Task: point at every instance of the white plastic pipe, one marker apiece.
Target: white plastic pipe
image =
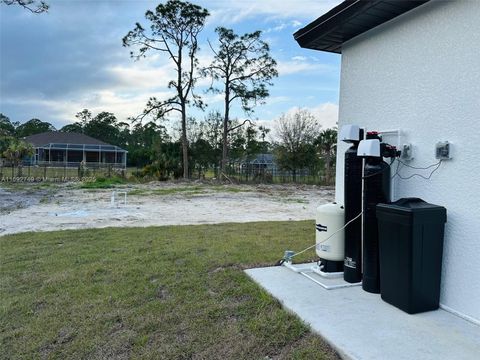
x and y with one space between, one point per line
362 204
297 269
330 287
329 275
112 199
113 196
305 269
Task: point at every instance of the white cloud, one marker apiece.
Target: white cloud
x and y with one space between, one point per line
272 100
300 64
296 23
326 114
276 28
293 24
122 105
211 99
236 11
140 76
299 58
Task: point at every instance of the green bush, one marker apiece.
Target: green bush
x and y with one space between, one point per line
103 183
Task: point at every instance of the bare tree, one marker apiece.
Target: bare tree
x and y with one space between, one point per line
244 68
34 6
297 133
173 31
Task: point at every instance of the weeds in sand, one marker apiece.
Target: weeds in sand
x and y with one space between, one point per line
188 190
103 183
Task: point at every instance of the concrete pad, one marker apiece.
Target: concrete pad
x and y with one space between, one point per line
360 325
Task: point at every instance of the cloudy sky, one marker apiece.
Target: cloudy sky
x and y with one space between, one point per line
54 65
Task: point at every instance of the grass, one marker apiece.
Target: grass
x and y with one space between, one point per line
294 200
174 292
188 190
29 187
103 183
167 191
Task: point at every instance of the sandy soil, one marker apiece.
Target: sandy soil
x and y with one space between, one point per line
67 207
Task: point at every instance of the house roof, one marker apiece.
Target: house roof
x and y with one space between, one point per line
58 137
264 159
348 20
261 159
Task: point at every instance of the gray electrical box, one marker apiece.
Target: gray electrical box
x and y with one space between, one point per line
443 150
407 152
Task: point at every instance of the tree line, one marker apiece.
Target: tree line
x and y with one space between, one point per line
300 143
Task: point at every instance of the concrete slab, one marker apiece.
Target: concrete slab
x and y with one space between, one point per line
360 325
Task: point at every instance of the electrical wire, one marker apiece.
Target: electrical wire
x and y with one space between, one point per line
397 172
399 165
419 168
420 175
320 242
379 172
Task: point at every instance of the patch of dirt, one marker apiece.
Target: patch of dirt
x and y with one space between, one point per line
13 200
285 352
65 335
162 293
119 346
229 266
157 204
39 306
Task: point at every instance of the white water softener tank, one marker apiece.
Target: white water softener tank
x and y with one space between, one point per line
330 218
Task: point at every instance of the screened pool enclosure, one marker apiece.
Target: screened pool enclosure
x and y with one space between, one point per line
74 150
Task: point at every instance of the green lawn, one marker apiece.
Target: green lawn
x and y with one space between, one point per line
174 292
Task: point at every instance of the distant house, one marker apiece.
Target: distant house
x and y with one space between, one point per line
261 162
267 164
61 149
412 67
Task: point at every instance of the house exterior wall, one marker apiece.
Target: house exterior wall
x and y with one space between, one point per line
420 73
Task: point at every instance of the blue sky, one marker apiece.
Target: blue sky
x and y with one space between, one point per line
54 65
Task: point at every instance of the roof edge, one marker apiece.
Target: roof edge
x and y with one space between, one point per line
348 20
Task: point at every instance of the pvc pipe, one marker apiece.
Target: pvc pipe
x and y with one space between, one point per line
303 270
333 275
112 199
114 194
394 131
363 190
330 287
296 269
